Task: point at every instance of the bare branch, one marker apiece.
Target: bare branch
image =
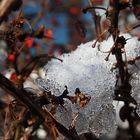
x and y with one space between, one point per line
23 96
6 6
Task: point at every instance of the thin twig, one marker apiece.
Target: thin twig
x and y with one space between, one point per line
23 96
97 20
6 7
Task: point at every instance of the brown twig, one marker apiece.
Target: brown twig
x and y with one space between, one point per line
115 33
23 96
97 20
6 6
28 68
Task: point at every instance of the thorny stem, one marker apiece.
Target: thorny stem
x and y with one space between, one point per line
115 33
123 86
120 63
114 18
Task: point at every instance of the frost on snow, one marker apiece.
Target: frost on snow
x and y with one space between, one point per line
86 68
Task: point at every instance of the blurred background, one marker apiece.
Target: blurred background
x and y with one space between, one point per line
66 26
60 18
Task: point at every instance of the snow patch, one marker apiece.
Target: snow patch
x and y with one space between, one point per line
86 68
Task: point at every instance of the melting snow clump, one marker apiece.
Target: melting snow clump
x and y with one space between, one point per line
86 68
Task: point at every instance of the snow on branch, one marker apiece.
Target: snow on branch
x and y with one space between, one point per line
86 68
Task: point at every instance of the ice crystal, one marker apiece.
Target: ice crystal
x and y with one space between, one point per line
86 68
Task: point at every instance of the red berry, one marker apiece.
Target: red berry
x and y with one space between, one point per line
13 77
51 53
138 36
29 42
74 10
49 33
11 57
